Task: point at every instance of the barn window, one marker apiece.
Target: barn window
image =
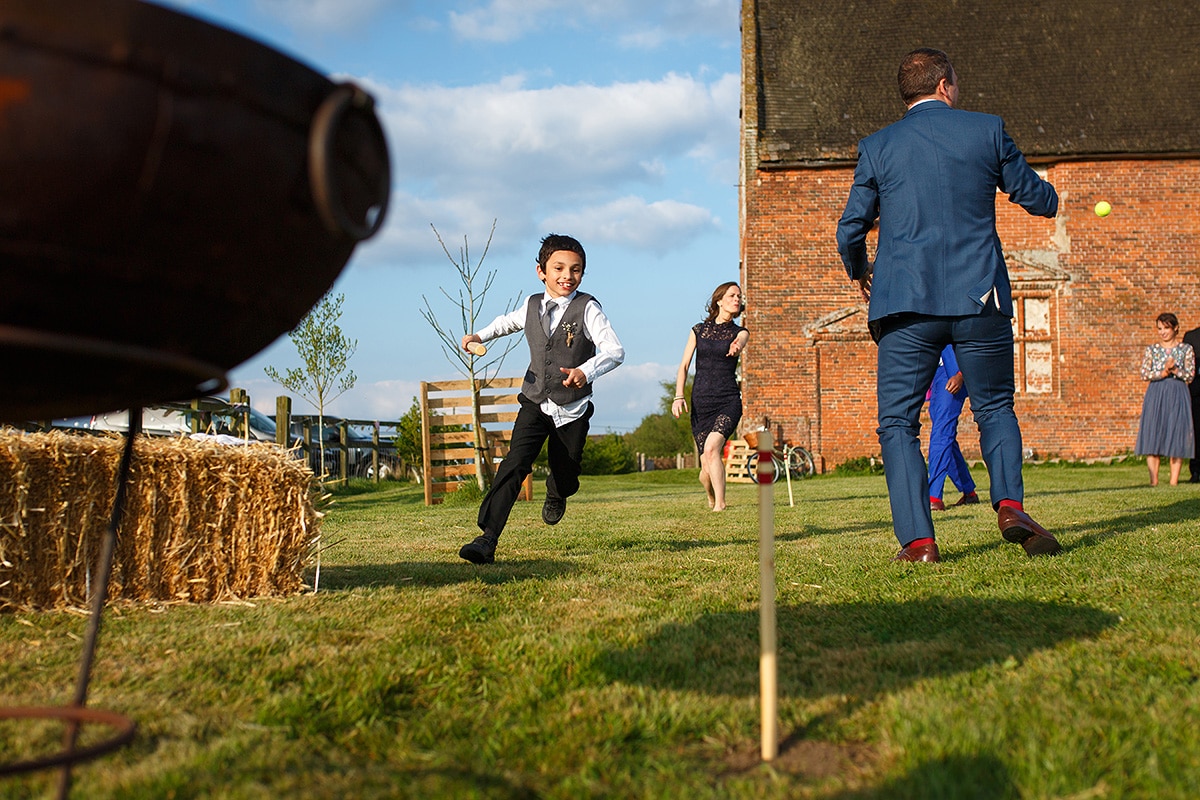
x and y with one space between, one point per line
1033 341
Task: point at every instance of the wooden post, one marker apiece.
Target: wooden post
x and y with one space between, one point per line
306 438
344 454
426 450
239 397
283 420
375 451
768 687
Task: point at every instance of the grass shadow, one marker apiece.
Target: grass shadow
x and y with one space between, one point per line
1135 522
439 573
810 531
861 650
980 777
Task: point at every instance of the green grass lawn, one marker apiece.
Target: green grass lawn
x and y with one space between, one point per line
616 655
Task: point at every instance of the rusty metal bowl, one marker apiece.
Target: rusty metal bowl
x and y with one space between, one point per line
174 197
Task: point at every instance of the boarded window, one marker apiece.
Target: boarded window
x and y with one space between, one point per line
1033 339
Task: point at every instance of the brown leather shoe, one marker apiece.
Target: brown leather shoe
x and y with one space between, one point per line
936 504
971 499
926 552
1019 528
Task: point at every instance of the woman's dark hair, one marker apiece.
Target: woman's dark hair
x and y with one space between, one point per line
1170 319
713 308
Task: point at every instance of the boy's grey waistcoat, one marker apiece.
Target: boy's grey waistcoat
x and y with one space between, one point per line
547 355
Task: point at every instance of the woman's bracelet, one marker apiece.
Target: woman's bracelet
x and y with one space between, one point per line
678 397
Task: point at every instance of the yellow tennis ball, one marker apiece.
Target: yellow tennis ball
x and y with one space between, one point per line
1103 209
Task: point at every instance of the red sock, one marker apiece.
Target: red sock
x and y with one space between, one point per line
1012 504
920 542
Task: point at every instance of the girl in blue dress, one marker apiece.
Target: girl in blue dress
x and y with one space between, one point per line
1166 425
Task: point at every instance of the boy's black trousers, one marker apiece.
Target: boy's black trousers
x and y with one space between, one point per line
531 430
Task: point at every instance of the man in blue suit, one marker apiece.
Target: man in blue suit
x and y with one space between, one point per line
939 278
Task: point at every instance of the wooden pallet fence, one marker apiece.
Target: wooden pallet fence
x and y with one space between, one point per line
735 462
447 440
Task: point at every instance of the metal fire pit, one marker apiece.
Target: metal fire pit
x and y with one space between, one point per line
175 196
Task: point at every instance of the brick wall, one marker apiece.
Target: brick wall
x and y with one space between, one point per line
1094 287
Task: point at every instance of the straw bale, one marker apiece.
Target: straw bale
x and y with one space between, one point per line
203 522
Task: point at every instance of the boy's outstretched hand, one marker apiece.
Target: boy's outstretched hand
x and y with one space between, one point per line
575 378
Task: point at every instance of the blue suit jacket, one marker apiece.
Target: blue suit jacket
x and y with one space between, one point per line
930 179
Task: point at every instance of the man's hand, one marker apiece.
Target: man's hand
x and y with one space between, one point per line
575 378
864 284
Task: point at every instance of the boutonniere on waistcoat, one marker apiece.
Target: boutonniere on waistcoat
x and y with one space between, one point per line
569 329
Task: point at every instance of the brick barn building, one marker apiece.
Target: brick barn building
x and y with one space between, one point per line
1102 99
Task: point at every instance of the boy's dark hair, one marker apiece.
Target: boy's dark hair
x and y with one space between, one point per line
921 71
557 241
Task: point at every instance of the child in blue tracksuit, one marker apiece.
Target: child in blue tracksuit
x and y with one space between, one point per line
946 396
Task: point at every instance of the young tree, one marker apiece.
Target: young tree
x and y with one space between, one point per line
608 455
662 434
325 353
479 370
408 439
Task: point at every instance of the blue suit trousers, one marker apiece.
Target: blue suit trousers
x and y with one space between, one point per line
945 456
909 348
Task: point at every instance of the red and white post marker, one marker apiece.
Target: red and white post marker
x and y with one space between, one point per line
767 682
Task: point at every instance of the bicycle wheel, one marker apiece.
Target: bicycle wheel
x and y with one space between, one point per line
801 464
752 468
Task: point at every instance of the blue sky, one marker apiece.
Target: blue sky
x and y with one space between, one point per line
615 121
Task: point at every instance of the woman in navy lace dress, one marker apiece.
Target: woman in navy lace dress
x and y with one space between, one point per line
716 397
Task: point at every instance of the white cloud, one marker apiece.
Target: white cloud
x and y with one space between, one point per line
463 156
629 393
492 133
657 227
502 20
322 15
386 399
509 20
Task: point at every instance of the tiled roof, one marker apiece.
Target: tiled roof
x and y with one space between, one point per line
1071 78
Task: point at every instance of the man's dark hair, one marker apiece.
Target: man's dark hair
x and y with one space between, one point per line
556 241
921 71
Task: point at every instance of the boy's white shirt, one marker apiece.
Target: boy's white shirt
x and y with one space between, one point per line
596 327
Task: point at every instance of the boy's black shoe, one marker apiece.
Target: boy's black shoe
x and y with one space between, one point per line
482 550
553 510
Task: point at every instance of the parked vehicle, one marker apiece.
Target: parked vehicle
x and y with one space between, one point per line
359 444
205 416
